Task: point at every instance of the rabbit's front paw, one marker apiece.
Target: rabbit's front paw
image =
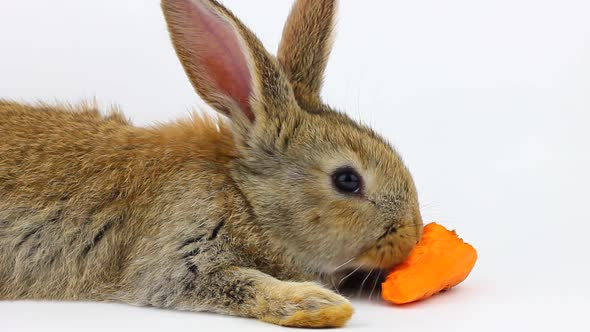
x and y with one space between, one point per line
306 305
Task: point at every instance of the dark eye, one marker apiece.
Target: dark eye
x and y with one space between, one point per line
347 180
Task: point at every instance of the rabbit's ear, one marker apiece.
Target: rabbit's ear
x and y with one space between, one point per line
226 63
305 47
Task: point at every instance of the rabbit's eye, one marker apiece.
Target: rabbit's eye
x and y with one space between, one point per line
347 180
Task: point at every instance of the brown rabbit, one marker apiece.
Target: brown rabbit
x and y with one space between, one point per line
240 218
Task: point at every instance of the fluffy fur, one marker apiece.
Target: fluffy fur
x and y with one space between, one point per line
237 217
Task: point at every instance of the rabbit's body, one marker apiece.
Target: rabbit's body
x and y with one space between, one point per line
94 208
235 217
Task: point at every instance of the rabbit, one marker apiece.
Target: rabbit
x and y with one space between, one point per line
242 214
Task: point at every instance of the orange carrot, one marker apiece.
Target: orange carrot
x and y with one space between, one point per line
440 260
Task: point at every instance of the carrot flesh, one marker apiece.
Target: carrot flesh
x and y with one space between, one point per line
441 260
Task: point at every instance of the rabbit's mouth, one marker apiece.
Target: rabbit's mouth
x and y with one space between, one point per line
391 248
363 275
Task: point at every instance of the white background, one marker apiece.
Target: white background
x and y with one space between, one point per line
487 101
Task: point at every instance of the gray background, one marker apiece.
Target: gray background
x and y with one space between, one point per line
487 101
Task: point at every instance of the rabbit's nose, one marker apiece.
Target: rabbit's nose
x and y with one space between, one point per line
412 220
391 229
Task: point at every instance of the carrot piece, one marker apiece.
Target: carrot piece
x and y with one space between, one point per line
440 260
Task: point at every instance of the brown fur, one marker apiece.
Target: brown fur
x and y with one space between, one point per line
202 214
305 47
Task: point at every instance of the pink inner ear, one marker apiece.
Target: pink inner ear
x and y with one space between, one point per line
215 50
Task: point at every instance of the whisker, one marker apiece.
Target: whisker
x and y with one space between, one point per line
406 226
426 205
341 265
375 284
363 283
348 275
334 285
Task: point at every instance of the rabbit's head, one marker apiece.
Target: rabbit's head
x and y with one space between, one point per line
329 189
